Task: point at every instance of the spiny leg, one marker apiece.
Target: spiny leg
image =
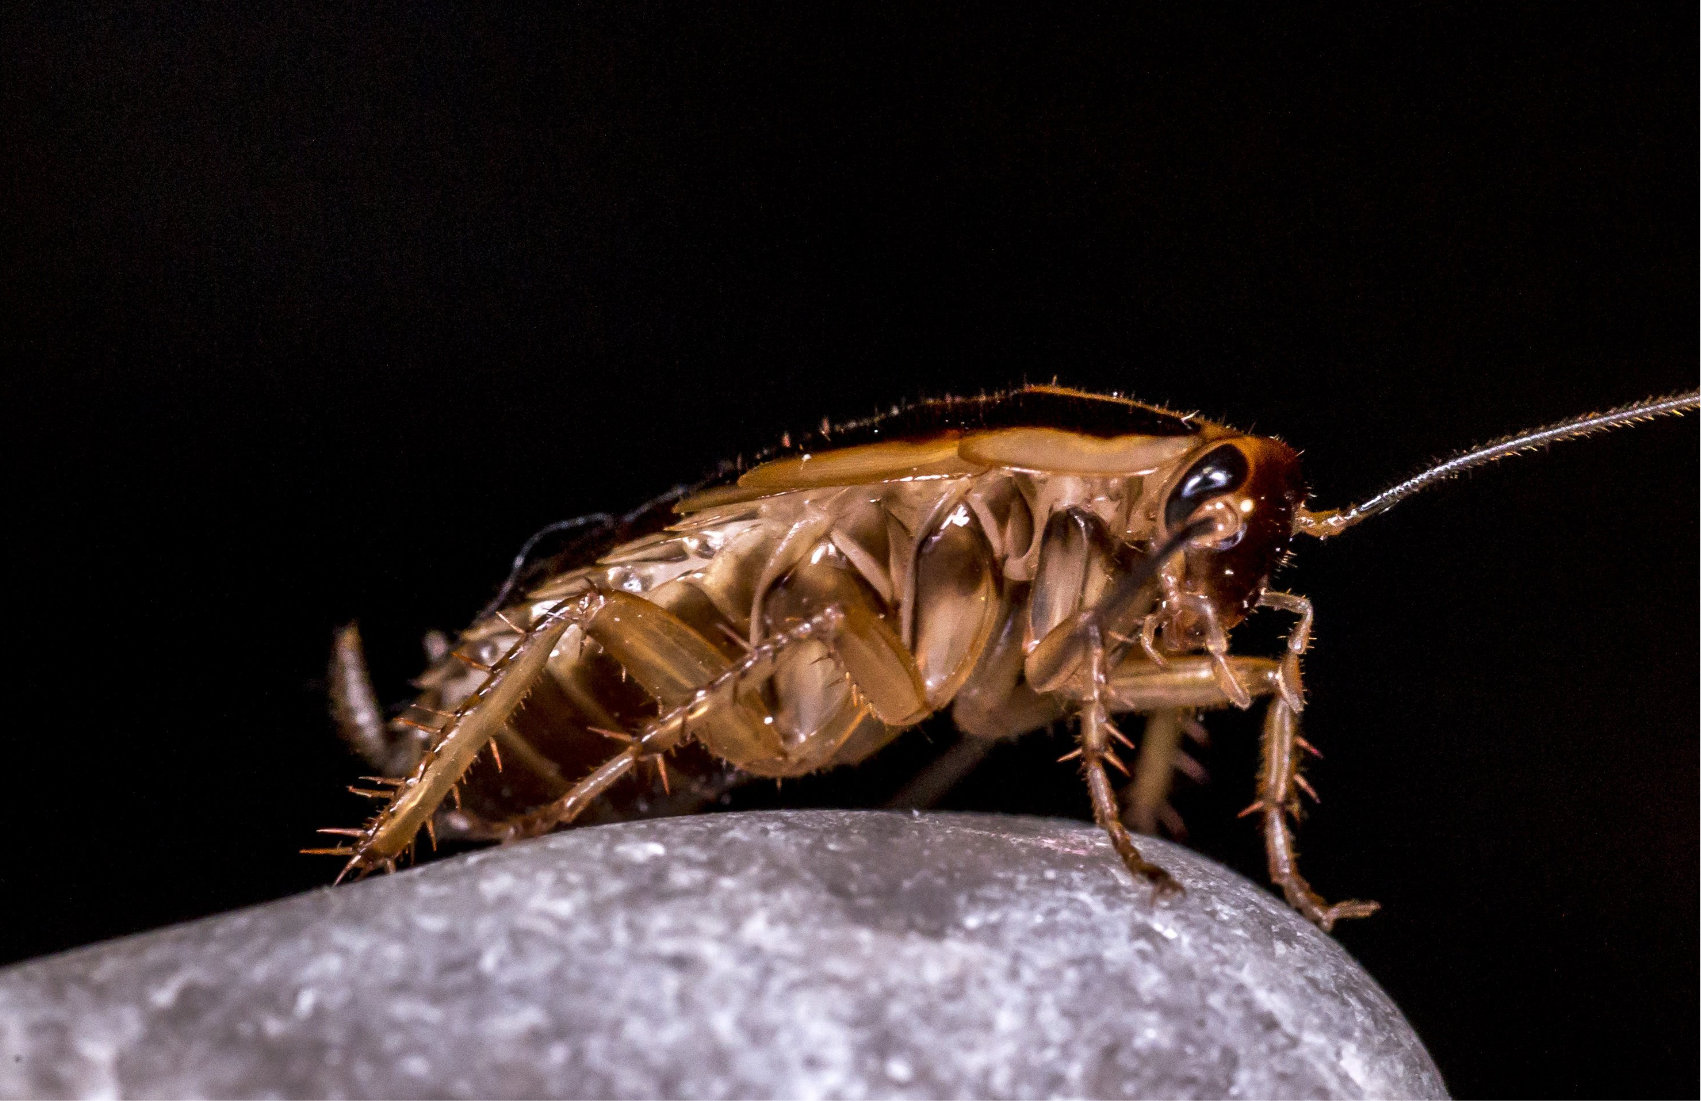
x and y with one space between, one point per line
1189 682
1192 682
942 774
666 732
1299 640
1095 749
1160 757
1216 641
466 734
1280 773
1278 779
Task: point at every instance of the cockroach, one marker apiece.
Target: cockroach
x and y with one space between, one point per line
1020 558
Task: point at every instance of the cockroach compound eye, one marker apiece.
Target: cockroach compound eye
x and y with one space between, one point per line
1017 558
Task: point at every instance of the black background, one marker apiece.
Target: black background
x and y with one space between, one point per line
319 314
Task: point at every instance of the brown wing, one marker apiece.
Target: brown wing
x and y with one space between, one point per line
1037 428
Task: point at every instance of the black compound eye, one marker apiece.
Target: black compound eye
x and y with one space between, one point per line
1219 471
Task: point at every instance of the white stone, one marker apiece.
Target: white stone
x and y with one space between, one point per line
790 954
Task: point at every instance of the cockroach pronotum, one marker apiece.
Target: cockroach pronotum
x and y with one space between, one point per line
1020 557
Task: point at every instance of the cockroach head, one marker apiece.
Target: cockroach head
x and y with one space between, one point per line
1246 490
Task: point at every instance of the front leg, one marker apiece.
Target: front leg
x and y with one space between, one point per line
1299 640
1278 801
1193 682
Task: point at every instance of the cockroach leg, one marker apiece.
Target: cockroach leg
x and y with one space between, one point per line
1192 682
1277 801
1299 640
1095 750
1160 757
570 805
389 747
1149 639
671 728
1187 682
354 705
465 735
942 774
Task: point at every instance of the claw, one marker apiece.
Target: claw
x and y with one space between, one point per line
1149 642
1164 885
1342 911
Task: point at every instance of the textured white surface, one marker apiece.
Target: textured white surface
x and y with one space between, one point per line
802 954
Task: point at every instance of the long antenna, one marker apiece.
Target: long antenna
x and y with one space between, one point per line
1334 521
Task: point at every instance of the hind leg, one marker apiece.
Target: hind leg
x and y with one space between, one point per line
468 731
713 704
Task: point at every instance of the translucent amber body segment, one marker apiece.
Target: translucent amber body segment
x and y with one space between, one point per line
672 661
1055 451
870 650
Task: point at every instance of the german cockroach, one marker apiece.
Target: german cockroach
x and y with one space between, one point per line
1020 558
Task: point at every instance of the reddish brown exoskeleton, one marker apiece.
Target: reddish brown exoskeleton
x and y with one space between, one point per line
1018 558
